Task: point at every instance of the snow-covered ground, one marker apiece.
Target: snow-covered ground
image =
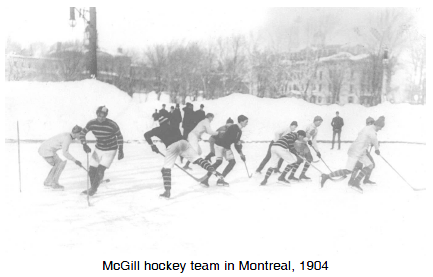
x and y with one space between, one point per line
383 232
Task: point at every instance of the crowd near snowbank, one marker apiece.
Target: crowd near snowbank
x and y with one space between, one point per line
45 109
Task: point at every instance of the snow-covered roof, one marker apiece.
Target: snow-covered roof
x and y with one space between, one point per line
344 56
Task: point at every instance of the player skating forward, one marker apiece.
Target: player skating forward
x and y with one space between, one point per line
195 135
48 151
108 140
358 167
284 149
279 134
301 147
176 145
222 148
358 153
221 131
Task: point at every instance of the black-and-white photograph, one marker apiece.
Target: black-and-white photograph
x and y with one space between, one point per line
228 138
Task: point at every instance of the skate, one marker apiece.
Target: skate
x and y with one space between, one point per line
356 187
221 182
324 178
263 183
258 172
369 182
304 178
165 195
205 183
293 179
91 192
283 181
277 171
57 187
48 185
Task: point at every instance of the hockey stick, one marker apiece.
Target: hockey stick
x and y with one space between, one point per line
19 153
88 179
103 181
190 175
330 178
248 173
415 189
321 158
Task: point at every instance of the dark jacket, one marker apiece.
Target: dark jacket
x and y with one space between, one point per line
176 116
188 119
199 116
337 123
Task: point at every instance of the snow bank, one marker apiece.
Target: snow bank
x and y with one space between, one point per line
45 109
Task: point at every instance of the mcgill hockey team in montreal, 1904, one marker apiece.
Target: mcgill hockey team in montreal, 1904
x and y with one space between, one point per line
289 145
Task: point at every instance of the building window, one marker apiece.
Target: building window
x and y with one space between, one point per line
319 100
350 99
320 87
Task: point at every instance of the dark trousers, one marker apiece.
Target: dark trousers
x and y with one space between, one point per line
186 132
267 158
333 138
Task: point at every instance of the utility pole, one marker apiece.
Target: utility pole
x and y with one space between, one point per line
384 75
91 34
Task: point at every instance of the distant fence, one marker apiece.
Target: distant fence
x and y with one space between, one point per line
253 141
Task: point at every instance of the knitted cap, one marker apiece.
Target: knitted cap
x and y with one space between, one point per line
294 123
369 120
380 121
76 129
230 120
317 118
102 109
301 133
242 118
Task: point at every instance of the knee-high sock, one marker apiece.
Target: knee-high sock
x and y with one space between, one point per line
229 167
362 173
280 163
209 156
58 172
49 180
340 172
355 171
92 175
187 164
204 164
98 176
166 177
217 163
286 170
268 173
295 167
306 167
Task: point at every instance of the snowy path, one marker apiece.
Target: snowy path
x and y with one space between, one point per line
128 221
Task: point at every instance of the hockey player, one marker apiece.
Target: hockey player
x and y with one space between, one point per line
108 140
301 147
221 131
176 145
358 153
222 148
48 151
284 149
279 134
195 135
358 167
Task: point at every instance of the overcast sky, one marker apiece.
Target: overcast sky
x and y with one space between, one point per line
143 25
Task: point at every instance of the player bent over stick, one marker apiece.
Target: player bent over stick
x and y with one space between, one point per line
284 149
48 151
108 139
176 145
195 135
358 153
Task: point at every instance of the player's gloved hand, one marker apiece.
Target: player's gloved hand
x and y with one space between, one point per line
121 154
155 149
243 158
319 155
377 152
86 148
310 143
79 163
272 142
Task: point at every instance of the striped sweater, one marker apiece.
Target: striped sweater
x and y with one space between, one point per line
107 133
287 141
